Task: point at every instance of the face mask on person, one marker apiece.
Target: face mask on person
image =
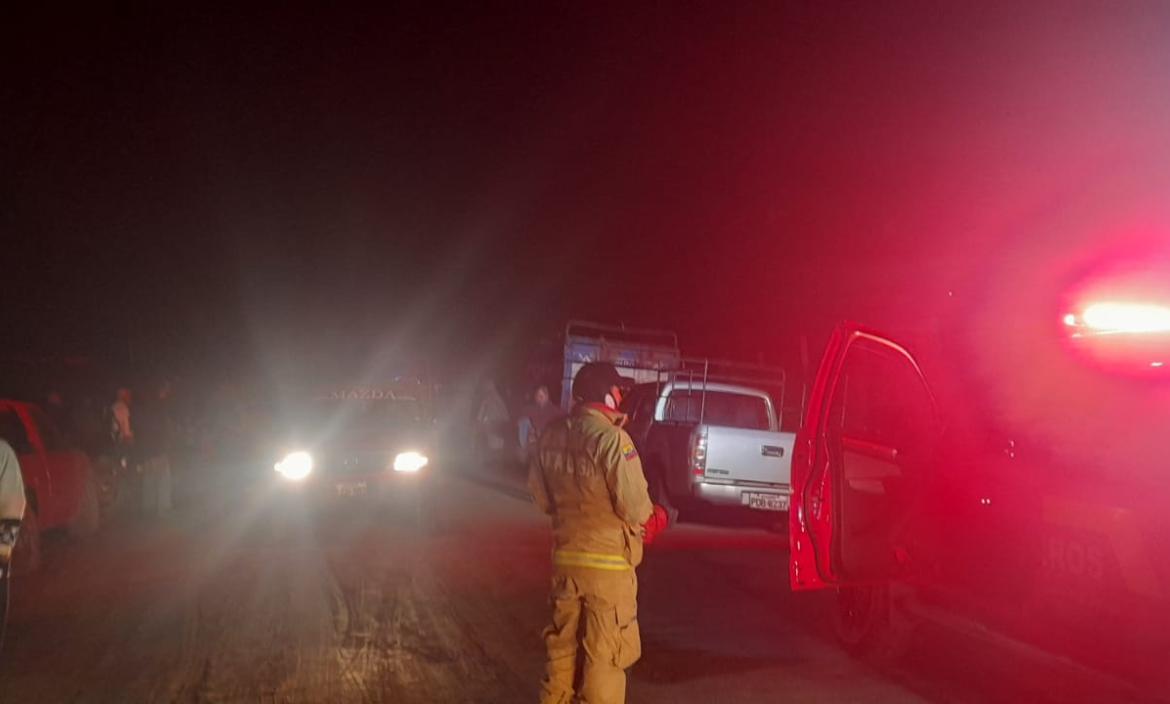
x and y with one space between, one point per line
614 398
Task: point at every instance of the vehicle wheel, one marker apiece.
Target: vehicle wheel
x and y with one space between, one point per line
26 554
865 624
89 513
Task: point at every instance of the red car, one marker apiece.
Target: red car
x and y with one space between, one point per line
59 481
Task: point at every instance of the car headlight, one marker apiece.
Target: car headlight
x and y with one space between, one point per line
410 461
295 466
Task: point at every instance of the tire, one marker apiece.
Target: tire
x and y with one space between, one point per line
89 513
26 555
867 624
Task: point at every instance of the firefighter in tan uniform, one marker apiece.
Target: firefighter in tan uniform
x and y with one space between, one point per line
587 477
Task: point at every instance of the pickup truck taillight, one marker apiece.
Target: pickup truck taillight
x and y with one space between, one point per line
699 453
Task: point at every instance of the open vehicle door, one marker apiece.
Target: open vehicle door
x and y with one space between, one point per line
859 462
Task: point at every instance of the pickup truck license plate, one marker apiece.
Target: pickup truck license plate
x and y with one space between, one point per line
351 489
766 502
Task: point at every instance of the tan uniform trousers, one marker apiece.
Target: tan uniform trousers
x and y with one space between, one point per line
594 611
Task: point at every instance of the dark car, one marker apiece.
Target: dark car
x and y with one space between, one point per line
356 445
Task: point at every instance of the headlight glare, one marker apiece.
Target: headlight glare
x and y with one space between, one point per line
410 461
295 466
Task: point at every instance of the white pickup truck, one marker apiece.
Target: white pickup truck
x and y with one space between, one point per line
711 443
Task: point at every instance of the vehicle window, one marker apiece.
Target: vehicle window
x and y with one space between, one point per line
881 399
50 435
718 408
12 431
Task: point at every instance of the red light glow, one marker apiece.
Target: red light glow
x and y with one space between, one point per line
1118 317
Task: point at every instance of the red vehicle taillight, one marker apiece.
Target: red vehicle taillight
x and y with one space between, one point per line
699 453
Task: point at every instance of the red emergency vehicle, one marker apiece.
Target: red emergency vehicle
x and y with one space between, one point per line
1000 467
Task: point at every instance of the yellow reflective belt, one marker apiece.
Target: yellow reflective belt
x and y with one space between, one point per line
592 560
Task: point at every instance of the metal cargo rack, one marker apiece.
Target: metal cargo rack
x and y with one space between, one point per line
697 373
653 356
641 353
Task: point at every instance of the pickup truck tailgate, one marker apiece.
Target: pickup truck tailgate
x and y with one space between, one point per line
743 455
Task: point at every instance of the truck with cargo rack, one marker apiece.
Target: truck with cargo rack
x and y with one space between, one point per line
710 434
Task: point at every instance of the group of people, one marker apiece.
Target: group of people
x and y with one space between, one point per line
135 433
494 424
143 433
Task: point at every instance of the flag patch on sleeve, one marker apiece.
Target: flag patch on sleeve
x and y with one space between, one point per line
629 452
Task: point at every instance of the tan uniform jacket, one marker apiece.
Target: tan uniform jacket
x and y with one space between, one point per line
587 477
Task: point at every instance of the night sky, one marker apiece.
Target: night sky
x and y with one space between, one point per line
226 184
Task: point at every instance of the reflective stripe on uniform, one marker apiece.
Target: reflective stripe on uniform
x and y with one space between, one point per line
592 560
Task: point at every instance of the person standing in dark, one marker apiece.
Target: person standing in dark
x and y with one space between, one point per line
121 431
587 477
534 419
153 441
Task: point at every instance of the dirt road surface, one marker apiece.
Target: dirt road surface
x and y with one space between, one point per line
230 600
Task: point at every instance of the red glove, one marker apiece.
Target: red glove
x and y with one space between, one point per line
657 523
